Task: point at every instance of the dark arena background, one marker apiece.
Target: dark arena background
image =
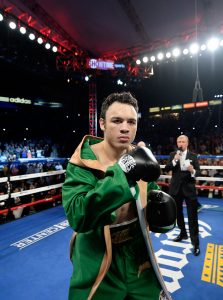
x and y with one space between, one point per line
170 57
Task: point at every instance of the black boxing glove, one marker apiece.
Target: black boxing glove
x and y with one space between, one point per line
160 211
140 163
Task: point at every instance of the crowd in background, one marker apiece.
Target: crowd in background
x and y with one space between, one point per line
158 132
208 144
16 186
29 149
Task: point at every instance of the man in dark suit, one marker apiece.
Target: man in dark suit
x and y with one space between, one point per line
184 166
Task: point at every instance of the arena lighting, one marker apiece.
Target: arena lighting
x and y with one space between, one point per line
188 105
54 48
160 56
203 47
194 48
213 44
164 108
32 36
47 46
39 40
185 51
215 102
201 104
22 29
12 25
176 52
145 59
154 109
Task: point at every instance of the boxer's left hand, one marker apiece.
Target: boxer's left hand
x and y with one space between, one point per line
160 211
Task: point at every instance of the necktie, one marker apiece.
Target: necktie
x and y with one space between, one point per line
182 159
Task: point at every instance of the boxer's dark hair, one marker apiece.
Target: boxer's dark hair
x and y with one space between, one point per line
124 97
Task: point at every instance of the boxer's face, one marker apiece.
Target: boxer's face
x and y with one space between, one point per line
119 125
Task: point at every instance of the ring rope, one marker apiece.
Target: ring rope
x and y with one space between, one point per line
203 167
50 199
5 197
32 191
34 175
197 178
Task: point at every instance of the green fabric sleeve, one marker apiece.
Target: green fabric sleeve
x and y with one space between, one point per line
90 202
152 186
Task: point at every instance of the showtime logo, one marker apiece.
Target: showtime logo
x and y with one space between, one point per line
100 64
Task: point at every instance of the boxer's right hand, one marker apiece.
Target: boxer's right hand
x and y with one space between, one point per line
140 163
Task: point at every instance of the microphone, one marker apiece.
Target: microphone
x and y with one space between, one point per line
179 150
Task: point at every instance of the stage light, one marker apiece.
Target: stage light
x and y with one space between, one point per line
168 55
12 25
160 56
176 52
185 51
213 44
54 48
32 36
1 17
138 61
152 58
203 47
22 29
47 46
194 48
145 59
86 78
40 40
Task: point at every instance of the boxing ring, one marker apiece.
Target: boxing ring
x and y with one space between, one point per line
6 199
203 183
34 254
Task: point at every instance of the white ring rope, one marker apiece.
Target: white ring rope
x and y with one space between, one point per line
32 191
52 173
203 167
34 175
197 178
